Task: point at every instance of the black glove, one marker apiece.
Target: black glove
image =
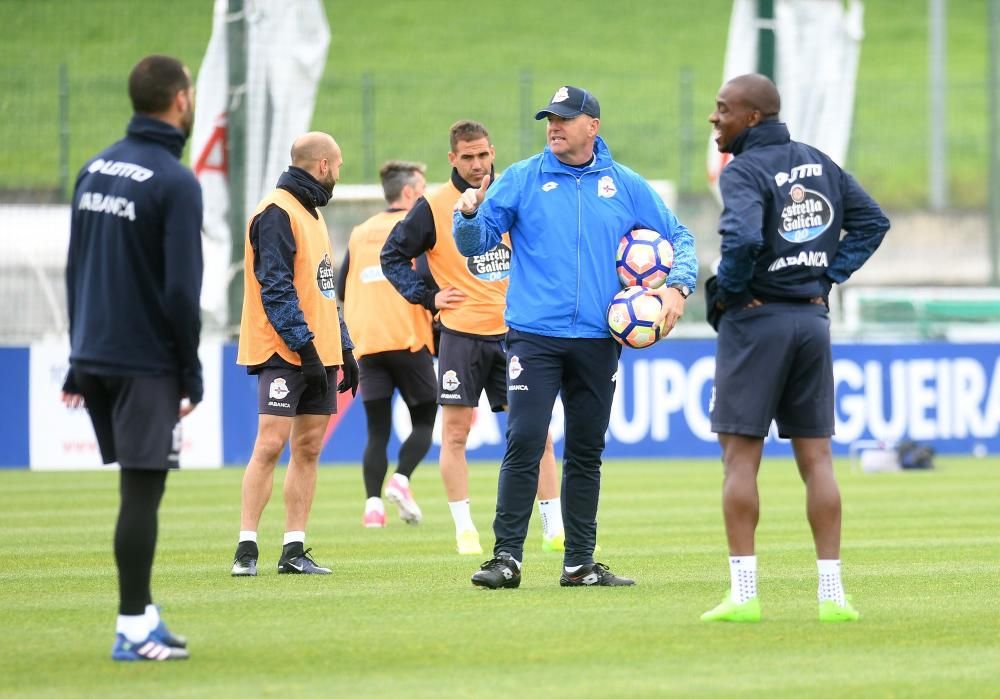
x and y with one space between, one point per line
69 384
313 369
713 313
352 374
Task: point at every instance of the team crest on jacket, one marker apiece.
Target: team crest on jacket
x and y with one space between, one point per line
806 215
492 266
325 278
606 187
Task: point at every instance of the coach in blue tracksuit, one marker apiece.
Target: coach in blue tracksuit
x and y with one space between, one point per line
566 209
785 205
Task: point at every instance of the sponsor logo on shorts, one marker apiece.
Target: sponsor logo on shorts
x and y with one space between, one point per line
711 401
278 389
276 404
452 396
449 380
514 369
517 387
614 377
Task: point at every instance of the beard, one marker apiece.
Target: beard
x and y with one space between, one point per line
329 183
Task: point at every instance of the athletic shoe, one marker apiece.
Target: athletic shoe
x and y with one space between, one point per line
161 634
245 561
296 561
401 495
374 519
498 572
595 574
467 543
728 610
829 610
150 649
556 542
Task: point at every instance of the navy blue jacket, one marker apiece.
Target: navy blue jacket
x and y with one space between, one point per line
134 269
784 206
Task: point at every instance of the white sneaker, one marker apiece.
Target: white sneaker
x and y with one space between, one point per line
401 495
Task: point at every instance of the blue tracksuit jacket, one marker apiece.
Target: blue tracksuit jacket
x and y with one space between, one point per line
565 224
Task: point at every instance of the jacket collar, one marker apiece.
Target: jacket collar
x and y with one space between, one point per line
602 160
149 128
305 188
766 133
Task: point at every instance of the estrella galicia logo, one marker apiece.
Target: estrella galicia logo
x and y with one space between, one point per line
491 266
806 215
325 279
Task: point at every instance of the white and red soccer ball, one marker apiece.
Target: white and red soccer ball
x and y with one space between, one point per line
632 317
644 258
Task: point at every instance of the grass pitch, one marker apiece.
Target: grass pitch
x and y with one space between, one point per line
399 617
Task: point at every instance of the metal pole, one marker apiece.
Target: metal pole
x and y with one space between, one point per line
937 137
63 132
368 126
994 191
526 119
765 38
236 146
685 106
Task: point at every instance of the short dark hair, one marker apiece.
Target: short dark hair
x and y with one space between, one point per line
396 174
154 82
467 130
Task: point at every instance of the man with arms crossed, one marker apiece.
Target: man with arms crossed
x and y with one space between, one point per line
292 338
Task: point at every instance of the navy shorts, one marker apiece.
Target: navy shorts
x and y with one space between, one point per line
135 418
774 362
410 372
283 391
467 366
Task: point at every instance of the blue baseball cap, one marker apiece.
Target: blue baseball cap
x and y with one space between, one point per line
569 102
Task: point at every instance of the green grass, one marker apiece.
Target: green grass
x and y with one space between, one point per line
431 63
399 617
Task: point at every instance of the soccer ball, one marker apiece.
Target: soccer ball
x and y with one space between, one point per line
632 317
644 258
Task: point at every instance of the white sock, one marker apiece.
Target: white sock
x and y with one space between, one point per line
247 536
401 479
572 569
134 628
551 512
462 514
374 505
152 616
742 578
830 585
294 537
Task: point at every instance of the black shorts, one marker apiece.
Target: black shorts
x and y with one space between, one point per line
774 362
135 418
411 372
283 391
469 365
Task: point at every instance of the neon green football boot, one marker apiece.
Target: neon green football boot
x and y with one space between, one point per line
556 542
829 610
728 610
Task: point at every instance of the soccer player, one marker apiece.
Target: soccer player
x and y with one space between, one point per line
133 279
293 339
571 203
784 207
470 303
393 341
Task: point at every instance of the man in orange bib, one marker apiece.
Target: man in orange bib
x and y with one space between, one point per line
393 340
471 301
293 339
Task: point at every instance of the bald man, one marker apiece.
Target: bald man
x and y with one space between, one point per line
293 339
784 207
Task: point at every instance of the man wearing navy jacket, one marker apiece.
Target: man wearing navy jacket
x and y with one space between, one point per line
133 281
784 206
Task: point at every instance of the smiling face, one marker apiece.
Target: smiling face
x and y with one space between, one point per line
473 160
572 140
731 116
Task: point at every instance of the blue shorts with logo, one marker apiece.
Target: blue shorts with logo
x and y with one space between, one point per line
774 362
